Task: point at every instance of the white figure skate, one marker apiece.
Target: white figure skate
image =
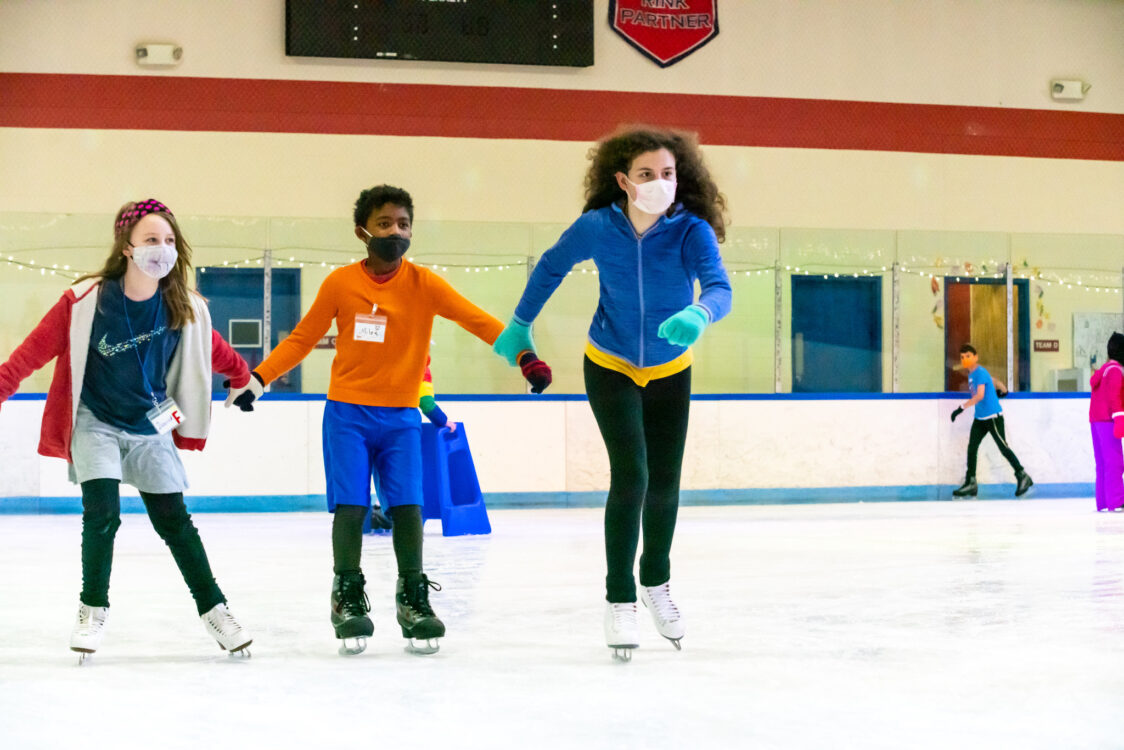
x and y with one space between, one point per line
622 633
666 615
88 631
225 629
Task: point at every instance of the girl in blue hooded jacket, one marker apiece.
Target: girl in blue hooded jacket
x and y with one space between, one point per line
652 221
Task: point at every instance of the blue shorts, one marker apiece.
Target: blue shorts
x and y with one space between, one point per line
361 442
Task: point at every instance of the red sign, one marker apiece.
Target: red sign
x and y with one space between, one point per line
1046 345
665 30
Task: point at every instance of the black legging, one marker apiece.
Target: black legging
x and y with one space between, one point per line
347 537
644 430
995 428
101 517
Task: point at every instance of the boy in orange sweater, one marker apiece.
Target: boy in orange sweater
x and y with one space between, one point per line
383 307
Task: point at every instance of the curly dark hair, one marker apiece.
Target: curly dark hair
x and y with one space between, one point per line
695 189
380 195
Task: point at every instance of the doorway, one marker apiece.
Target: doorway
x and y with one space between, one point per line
836 334
976 313
235 297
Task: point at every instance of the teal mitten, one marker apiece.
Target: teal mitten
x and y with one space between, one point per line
684 327
515 338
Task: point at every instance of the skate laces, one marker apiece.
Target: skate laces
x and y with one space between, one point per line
87 623
222 620
660 599
624 615
353 597
417 595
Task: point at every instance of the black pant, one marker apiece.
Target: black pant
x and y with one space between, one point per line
347 537
644 430
995 428
101 517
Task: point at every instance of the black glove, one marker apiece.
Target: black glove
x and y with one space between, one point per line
536 372
245 396
1000 393
379 519
957 413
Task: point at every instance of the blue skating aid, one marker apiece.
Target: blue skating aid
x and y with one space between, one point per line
450 486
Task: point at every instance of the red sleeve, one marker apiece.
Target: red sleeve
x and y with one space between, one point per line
226 361
48 340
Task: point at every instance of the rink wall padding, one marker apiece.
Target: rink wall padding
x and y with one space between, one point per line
535 452
533 500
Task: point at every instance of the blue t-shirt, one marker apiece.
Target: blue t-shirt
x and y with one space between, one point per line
126 334
989 405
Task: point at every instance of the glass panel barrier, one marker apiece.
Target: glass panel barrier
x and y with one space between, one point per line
811 306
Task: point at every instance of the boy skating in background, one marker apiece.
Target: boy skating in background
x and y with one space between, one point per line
988 421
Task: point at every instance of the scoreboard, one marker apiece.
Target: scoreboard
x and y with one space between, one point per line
518 32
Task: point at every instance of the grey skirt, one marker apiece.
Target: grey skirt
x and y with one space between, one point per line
151 463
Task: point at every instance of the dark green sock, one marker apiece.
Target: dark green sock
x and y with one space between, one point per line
101 517
172 522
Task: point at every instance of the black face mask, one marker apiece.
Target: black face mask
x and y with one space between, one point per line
389 248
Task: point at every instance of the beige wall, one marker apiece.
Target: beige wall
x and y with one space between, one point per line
486 200
992 54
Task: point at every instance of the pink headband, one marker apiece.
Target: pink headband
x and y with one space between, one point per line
137 211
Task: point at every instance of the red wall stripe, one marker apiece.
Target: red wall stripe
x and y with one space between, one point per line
35 100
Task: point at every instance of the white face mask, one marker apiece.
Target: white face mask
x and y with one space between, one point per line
654 196
156 261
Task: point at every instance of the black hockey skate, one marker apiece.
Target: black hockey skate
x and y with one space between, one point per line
419 625
1024 483
349 613
968 489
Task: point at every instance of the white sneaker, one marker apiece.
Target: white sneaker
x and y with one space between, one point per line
225 629
665 614
88 629
622 633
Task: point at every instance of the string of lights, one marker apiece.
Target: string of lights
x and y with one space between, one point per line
1089 280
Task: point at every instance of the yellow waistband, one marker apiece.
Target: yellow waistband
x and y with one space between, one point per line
639 375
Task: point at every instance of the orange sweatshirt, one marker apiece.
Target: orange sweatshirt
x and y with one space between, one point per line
385 373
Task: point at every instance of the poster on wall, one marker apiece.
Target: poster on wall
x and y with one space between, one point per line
665 31
1090 337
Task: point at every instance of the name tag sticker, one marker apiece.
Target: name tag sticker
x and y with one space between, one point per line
370 328
166 416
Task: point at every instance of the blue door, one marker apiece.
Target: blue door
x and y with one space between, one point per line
235 296
836 335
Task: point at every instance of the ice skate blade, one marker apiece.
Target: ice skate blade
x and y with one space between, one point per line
238 651
675 642
352 646
83 655
622 653
422 646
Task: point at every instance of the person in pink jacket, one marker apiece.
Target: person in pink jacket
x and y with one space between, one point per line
1106 417
135 351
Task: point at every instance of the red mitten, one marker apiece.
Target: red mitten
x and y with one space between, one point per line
536 372
1118 424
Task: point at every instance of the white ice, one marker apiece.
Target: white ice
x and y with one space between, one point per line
880 625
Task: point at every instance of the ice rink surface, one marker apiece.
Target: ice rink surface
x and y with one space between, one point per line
873 625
